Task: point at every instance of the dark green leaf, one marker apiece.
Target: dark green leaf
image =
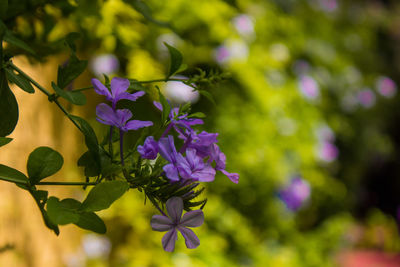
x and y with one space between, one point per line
70 71
90 140
176 59
90 164
77 98
207 95
12 175
43 162
11 39
63 212
144 9
3 8
165 105
5 140
70 40
103 195
90 221
41 198
20 81
8 107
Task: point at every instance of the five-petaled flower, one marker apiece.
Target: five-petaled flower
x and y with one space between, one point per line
118 90
149 150
119 118
175 222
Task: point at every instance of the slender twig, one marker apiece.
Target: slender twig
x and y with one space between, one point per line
42 89
121 146
68 183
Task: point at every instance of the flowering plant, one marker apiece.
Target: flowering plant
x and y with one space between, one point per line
167 174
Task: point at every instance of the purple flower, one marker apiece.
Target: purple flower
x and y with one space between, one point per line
167 150
118 90
119 118
328 152
309 87
296 193
220 161
149 149
175 222
181 120
386 87
193 167
366 98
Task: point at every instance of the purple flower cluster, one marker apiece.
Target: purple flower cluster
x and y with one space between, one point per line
199 157
113 116
295 194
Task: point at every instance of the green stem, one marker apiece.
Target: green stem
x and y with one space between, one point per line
41 88
38 86
67 183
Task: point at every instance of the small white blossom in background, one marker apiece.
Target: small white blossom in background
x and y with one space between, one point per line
104 64
180 93
244 25
308 87
232 50
386 87
96 246
366 98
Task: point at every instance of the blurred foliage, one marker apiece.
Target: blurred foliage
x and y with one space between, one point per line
269 124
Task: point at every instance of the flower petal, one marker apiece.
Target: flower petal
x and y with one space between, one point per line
105 114
158 105
118 86
123 115
234 177
207 174
161 223
174 208
193 218
171 172
135 124
100 88
191 240
167 148
169 239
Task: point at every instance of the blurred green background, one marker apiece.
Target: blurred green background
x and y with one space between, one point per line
312 97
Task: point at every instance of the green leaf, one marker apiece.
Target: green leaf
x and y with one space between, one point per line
5 140
3 8
77 98
43 162
197 115
8 107
165 105
207 95
90 140
176 59
103 195
12 175
40 197
71 38
90 221
70 71
20 81
90 164
11 39
144 9
64 211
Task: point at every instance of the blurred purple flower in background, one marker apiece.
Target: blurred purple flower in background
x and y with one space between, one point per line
327 151
231 50
175 223
295 194
244 25
366 98
180 93
104 64
308 87
386 87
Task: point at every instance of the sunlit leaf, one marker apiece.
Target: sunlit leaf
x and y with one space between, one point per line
64 211
176 59
77 98
12 175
